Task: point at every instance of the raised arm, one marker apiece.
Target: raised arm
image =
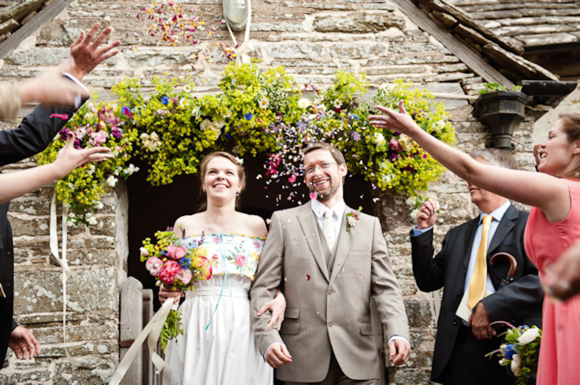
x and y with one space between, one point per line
548 193
18 183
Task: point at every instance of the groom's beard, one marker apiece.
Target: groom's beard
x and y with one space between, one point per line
325 194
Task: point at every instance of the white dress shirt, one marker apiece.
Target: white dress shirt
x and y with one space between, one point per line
320 209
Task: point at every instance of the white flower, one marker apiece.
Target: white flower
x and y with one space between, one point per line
330 114
406 142
503 349
183 102
264 103
131 169
144 136
187 88
98 205
205 124
143 251
387 178
413 214
320 109
529 336
219 124
91 220
304 103
112 181
379 139
337 103
91 169
240 160
515 364
502 361
438 126
195 112
154 136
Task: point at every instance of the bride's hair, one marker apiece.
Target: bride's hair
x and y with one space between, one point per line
203 170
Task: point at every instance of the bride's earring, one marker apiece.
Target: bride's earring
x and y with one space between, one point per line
203 189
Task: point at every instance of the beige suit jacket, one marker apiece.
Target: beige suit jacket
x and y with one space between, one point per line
327 312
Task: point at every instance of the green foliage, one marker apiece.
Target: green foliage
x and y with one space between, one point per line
172 327
494 87
262 111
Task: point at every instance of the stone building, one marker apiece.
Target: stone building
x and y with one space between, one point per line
445 48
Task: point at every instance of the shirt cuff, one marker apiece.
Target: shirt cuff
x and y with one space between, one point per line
397 337
75 80
415 232
272 344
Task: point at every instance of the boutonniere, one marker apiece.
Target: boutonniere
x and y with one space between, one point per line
352 218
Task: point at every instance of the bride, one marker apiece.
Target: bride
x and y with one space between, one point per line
218 347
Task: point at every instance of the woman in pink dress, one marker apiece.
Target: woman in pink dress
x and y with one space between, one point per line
553 225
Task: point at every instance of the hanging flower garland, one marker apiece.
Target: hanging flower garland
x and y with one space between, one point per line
257 111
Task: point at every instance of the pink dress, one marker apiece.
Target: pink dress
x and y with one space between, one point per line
544 243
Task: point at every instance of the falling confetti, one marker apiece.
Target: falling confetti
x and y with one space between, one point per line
308 277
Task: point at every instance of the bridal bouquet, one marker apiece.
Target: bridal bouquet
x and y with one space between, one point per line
176 267
520 352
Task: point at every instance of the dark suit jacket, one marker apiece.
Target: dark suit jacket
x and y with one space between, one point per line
518 302
32 136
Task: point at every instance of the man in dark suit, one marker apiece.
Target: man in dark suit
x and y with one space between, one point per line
32 136
461 344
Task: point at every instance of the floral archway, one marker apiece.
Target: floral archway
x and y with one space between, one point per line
257 111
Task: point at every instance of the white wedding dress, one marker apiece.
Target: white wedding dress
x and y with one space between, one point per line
218 347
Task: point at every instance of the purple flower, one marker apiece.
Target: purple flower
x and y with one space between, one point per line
392 157
356 136
78 144
126 111
248 116
118 133
165 100
64 133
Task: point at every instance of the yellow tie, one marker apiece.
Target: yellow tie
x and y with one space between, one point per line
479 276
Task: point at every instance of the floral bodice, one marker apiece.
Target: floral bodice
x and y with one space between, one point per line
233 254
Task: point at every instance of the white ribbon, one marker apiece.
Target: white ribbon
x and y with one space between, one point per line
247 44
152 330
62 262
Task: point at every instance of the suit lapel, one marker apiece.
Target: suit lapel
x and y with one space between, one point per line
345 240
308 224
504 227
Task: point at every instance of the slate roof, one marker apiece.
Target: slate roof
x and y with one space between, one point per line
530 23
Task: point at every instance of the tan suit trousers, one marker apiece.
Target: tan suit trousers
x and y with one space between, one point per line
335 376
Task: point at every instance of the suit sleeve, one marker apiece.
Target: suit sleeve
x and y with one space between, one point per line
385 289
518 300
33 135
268 277
429 272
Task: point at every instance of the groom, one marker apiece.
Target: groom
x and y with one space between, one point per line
332 261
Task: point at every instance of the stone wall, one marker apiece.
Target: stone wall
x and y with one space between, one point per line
311 39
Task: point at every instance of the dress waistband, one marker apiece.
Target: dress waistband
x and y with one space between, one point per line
236 292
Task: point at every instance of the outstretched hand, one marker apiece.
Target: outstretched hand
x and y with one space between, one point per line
71 158
397 121
85 54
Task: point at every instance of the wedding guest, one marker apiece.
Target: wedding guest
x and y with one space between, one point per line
464 270
333 261
218 346
33 135
553 224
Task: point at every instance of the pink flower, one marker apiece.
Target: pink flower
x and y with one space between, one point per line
169 272
98 138
241 260
313 195
154 265
292 178
207 271
176 252
395 145
185 276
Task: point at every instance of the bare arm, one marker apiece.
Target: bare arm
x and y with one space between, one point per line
16 184
546 192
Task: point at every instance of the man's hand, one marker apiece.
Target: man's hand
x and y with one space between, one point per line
277 355
479 322
85 55
399 351
427 215
23 343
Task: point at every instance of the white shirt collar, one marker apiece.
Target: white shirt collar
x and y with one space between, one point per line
320 208
497 214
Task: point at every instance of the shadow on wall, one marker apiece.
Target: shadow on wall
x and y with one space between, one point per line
156 208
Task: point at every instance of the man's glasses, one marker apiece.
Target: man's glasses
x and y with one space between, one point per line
323 166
